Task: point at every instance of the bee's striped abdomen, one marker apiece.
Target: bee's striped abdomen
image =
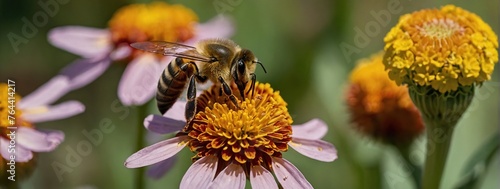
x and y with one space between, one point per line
172 83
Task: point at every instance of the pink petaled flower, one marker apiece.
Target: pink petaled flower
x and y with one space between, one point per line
33 108
232 144
157 21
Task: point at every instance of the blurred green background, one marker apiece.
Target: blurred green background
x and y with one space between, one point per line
299 43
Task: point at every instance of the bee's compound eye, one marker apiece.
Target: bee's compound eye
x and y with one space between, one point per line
241 66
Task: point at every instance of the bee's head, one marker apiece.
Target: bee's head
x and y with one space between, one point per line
243 69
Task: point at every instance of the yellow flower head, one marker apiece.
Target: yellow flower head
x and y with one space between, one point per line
442 48
157 21
260 128
379 107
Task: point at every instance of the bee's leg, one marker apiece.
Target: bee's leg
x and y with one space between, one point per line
220 92
200 78
191 99
228 92
241 88
195 67
252 86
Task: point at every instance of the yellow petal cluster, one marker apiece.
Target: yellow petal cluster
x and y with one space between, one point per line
260 127
10 115
443 48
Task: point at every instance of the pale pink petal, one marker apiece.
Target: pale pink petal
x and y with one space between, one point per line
120 52
200 174
217 27
163 125
84 41
21 154
156 152
315 149
159 169
177 110
314 129
152 137
39 141
262 178
83 71
49 113
4 148
233 176
47 93
288 175
139 81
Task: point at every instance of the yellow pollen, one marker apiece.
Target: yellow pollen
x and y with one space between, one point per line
248 122
10 115
155 21
444 48
261 126
8 105
440 28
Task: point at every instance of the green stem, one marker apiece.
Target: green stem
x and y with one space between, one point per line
440 112
140 143
439 136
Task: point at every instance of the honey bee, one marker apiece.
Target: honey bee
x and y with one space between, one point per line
219 60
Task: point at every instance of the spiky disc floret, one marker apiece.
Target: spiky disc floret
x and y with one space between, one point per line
249 134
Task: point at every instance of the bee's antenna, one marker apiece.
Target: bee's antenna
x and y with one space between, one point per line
261 65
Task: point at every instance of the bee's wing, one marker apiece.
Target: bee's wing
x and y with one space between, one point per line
171 49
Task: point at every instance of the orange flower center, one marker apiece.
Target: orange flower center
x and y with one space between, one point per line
10 115
379 107
156 21
248 135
